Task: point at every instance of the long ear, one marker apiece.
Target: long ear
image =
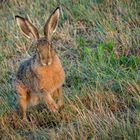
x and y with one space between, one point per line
51 24
27 28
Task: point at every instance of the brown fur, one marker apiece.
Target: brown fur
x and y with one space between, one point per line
42 75
51 77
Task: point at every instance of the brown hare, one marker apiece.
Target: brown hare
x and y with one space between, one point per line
42 75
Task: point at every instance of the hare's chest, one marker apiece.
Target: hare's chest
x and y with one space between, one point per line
51 78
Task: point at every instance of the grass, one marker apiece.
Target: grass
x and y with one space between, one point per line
98 42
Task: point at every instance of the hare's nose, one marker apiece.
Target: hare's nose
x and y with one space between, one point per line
49 63
44 64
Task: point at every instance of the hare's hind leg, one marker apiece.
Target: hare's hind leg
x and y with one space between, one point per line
24 99
34 100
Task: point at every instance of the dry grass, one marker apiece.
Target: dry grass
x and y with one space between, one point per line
98 42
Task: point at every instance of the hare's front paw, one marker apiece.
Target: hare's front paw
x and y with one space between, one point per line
53 107
51 103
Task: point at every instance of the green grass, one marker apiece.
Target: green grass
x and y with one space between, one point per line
98 42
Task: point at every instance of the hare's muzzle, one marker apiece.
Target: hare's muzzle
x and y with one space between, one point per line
49 63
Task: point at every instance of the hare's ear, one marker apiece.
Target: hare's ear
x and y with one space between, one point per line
27 28
51 24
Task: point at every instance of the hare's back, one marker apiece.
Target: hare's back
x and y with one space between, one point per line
26 76
24 69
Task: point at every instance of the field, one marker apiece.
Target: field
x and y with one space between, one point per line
98 42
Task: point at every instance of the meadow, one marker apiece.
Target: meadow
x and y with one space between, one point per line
98 42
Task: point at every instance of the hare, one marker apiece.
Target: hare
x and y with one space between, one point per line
42 75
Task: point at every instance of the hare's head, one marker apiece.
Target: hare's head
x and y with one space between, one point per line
43 45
